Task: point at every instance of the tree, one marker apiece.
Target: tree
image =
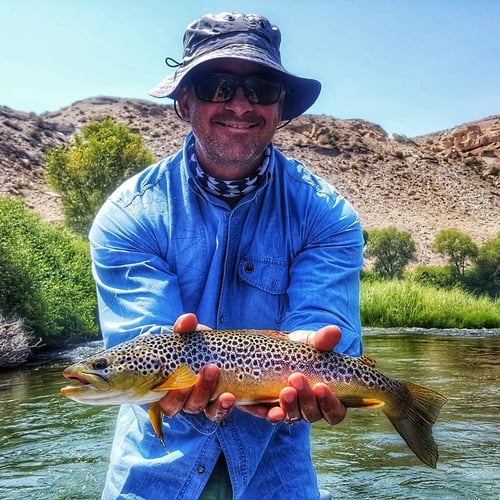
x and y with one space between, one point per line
392 250
484 276
101 157
457 247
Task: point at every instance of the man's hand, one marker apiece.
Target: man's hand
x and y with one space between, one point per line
298 400
197 398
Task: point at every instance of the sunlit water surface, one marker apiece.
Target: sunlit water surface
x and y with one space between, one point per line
54 448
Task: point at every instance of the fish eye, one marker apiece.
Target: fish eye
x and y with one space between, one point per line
100 364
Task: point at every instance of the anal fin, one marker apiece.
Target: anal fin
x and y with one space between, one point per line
156 417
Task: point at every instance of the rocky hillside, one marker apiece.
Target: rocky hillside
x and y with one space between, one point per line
422 185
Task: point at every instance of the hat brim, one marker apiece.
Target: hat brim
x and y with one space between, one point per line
300 93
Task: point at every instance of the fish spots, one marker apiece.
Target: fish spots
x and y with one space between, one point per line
246 356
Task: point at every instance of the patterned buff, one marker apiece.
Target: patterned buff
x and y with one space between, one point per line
230 190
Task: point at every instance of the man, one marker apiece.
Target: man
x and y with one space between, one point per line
231 230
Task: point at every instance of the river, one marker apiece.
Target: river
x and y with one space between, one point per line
54 448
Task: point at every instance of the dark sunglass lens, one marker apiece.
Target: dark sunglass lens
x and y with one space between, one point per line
262 91
214 87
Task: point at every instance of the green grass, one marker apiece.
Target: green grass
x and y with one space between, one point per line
406 303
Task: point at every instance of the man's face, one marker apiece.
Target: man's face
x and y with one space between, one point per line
231 137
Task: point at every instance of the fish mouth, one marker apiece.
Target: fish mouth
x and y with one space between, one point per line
85 382
77 379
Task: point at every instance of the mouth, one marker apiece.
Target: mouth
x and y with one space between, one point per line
227 120
237 126
81 381
78 380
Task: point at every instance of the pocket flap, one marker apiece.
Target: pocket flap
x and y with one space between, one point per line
269 275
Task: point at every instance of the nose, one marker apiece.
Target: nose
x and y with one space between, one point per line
239 102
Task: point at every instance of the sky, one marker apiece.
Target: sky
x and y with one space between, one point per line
411 66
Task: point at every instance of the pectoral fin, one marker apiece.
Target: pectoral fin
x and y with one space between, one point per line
182 378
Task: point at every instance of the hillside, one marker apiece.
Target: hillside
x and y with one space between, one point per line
422 185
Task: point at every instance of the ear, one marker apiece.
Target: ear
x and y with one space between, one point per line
182 97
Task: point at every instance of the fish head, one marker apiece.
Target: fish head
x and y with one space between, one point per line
124 374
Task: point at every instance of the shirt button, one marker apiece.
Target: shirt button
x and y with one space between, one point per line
201 469
223 423
221 319
249 267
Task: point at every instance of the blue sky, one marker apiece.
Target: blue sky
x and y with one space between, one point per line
411 66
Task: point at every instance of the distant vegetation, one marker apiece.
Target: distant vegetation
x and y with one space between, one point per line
408 303
462 294
45 277
85 174
46 286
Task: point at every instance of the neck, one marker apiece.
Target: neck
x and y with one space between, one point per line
228 169
231 190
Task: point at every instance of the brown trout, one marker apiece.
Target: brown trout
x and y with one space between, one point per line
255 366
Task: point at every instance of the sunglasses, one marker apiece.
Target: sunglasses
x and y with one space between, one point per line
221 87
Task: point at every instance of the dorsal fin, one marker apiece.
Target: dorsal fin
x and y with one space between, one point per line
366 360
274 333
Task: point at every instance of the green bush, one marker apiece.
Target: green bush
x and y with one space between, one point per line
45 276
484 275
440 277
101 158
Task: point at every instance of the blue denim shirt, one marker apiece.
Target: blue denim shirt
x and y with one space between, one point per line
286 257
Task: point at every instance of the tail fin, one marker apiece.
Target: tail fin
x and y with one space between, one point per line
414 423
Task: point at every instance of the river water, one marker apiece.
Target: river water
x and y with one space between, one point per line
54 448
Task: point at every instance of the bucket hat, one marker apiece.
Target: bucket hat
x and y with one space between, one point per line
239 36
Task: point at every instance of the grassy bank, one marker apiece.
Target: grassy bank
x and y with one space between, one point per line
406 303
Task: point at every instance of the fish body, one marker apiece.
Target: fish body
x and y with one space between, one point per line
255 366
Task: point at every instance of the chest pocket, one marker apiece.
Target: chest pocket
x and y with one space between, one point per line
268 275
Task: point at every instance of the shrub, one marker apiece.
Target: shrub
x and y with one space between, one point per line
45 276
101 158
440 277
484 277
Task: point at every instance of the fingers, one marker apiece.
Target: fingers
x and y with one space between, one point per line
332 409
196 398
186 323
203 390
324 339
304 404
221 407
299 401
